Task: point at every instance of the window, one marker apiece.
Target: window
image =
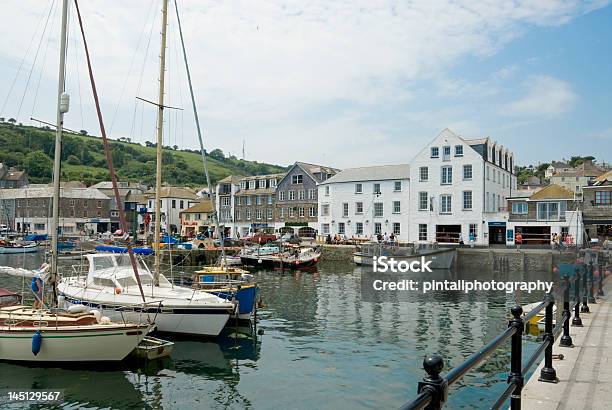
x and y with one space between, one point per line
345 209
422 232
378 209
359 228
238 200
182 204
396 228
435 153
423 201
84 203
72 213
259 214
312 194
445 204
446 152
39 227
312 211
358 207
396 207
99 204
114 213
358 188
173 203
473 231
252 184
341 228
376 188
487 173
247 200
603 198
467 172
377 228
243 184
270 199
99 213
258 200
397 186
272 183
548 211
291 195
325 229
225 201
487 202
447 175
423 174
458 150
281 213
85 214
71 203
297 179
467 200
269 213
301 212
327 190
248 214
282 195
325 210
301 194
291 212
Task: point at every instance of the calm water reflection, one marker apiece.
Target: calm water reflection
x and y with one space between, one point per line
323 347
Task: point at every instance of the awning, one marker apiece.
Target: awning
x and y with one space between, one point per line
597 221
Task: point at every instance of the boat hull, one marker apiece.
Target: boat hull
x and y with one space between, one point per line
17 250
440 259
110 344
246 298
276 262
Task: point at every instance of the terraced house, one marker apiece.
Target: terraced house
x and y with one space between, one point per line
254 204
297 198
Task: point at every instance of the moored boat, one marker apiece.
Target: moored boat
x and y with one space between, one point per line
230 283
441 258
15 248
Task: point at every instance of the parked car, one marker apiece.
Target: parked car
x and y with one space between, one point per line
291 238
260 237
4 228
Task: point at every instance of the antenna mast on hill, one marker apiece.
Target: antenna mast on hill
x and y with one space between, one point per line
243 150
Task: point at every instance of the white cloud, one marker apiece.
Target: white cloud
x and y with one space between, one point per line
277 70
544 96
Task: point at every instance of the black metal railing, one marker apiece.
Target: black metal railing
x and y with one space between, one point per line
433 390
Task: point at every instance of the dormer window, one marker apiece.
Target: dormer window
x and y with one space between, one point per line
272 183
252 184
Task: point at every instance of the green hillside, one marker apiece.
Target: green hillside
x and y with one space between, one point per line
83 159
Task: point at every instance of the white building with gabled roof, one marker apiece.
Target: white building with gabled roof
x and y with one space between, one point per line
458 189
366 201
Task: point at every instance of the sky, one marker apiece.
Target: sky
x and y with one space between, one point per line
342 83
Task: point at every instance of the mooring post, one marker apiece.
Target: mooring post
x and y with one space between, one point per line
566 339
591 277
516 375
548 373
577 321
436 385
585 307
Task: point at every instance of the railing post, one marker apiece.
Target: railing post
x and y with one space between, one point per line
577 321
516 375
548 373
566 339
600 291
590 276
436 385
585 307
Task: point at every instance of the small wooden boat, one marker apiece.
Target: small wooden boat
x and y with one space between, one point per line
151 348
16 248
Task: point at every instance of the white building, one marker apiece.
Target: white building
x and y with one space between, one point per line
173 201
362 202
459 188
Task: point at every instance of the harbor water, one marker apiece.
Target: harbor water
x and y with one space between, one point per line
323 346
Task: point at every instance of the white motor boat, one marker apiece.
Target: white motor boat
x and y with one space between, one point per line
13 247
111 286
41 335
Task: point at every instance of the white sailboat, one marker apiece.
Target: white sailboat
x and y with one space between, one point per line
110 283
45 335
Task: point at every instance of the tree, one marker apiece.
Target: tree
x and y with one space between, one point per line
12 120
150 144
217 154
73 160
542 167
83 132
1 119
175 147
39 165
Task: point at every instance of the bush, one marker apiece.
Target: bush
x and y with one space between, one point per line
73 160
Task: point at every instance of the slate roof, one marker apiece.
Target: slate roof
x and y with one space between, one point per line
376 173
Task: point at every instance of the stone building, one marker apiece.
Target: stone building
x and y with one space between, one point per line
297 198
254 204
11 177
597 207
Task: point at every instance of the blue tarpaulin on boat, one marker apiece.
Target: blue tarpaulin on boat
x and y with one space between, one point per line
37 237
169 239
123 249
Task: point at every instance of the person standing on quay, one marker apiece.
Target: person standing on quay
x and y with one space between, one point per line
518 240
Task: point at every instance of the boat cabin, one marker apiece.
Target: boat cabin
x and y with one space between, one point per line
115 270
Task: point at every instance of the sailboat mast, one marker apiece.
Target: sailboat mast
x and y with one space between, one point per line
62 108
202 149
160 140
